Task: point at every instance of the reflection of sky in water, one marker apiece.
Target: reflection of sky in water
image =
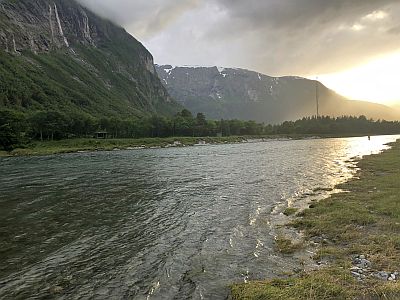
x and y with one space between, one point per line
361 146
352 149
333 161
166 223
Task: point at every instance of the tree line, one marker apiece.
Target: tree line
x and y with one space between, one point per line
17 128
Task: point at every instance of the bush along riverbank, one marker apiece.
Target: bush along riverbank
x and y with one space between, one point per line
356 234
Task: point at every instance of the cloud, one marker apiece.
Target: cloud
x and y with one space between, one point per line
394 30
143 18
276 37
310 36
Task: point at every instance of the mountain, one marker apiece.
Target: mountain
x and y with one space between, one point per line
227 93
58 55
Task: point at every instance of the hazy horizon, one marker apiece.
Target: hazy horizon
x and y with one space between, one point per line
351 46
392 105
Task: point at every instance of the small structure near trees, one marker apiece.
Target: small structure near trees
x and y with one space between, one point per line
101 134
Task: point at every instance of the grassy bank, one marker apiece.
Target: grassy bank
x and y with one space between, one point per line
91 144
362 222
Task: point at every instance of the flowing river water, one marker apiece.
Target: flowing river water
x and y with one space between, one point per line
177 223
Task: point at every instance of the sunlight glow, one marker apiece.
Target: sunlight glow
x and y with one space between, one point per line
376 15
357 27
377 81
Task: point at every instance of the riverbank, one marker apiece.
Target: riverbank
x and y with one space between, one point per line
38 148
356 236
90 144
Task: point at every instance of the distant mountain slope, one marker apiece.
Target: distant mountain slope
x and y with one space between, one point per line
57 55
237 93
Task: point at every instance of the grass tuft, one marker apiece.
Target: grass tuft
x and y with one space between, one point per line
290 211
286 246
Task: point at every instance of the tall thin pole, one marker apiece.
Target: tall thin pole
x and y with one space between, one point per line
317 96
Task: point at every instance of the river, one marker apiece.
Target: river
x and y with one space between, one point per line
177 223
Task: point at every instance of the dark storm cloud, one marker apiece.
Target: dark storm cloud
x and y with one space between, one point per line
272 36
311 36
297 14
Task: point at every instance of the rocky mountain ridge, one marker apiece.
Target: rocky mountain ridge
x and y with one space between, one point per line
78 53
230 93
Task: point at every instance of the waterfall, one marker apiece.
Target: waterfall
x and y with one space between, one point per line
51 23
59 25
14 44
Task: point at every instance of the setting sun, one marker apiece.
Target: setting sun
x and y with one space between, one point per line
375 81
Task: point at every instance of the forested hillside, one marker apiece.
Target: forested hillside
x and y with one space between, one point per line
58 56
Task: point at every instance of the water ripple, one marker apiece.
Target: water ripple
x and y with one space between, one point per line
160 223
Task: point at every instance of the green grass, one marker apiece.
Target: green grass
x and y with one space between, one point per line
290 211
365 219
90 144
286 246
327 284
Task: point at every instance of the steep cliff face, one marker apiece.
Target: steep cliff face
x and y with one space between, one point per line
237 93
56 54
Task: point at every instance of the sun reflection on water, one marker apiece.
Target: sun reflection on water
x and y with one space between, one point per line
329 167
358 147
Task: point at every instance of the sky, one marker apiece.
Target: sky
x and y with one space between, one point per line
352 46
